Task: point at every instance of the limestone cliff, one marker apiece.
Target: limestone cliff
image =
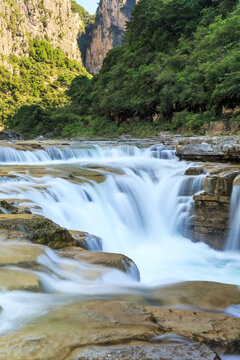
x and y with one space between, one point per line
108 30
53 20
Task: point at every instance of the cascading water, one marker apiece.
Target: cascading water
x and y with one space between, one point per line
233 241
141 212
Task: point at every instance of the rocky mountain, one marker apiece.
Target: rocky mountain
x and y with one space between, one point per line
51 20
107 31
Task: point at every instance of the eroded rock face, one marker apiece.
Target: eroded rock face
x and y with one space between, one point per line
51 19
209 219
108 31
63 333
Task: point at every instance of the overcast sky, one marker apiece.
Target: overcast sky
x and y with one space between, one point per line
89 5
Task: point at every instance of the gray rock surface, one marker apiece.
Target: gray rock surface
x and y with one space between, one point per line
148 352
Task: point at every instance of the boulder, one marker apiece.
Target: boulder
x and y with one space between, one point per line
110 260
37 229
10 135
149 352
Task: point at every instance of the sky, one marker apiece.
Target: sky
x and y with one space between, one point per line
89 5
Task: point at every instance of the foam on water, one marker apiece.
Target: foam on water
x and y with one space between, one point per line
233 241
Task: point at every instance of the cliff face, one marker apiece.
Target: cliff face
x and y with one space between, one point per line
53 20
108 31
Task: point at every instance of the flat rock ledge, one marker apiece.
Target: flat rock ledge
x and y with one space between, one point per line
73 331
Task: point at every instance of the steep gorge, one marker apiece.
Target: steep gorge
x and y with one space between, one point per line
107 31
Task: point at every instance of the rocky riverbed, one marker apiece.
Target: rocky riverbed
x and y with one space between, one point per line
119 251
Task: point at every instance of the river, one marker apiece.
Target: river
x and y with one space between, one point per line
134 196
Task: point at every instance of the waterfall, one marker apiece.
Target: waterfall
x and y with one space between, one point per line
141 212
10 156
233 240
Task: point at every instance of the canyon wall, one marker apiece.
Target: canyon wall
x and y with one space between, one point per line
107 31
52 20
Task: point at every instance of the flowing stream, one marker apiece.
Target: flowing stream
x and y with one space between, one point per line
140 208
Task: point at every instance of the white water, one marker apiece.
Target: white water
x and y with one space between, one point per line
141 213
233 241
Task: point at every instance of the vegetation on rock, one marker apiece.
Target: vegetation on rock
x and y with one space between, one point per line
178 67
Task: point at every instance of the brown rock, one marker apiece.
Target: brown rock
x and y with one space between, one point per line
64 332
19 254
115 261
219 331
204 295
37 229
19 280
218 128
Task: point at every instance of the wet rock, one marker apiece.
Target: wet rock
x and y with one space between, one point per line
150 352
209 218
10 135
87 241
209 221
218 331
236 181
203 295
63 333
6 207
195 171
110 260
19 254
220 184
19 280
37 229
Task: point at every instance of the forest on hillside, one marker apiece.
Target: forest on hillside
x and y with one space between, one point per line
178 68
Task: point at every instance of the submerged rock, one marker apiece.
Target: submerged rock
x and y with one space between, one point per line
149 352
